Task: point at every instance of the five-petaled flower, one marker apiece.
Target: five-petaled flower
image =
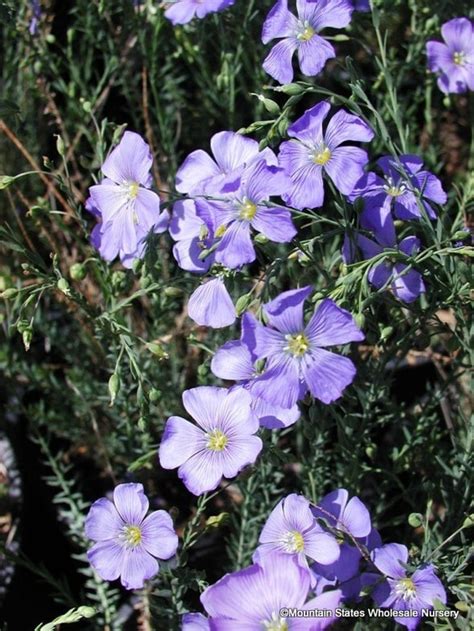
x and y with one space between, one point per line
123 202
453 60
301 34
127 541
220 445
310 153
401 592
297 360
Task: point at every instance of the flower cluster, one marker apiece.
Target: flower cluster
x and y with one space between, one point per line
318 557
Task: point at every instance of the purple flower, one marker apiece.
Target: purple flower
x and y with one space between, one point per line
361 5
192 236
234 361
201 174
296 358
292 529
128 210
351 518
221 444
247 205
183 11
195 622
36 17
404 187
310 153
407 284
405 593
210 305
251 599
127 541
454 60
301 34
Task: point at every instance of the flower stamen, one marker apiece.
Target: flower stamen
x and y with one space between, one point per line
217 440
297 345
247 210
322 156
293 541
132 535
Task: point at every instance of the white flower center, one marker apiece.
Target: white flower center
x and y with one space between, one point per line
275 623
247 210
392 189
405 588
132 536
305 31
459 58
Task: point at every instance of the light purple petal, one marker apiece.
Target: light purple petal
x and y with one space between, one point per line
158 535
328 601
187 253
278 62
195 622
279 22
232 150
236 248
131 502
331 325
431 187
313 55
202 472
274 417
327 374
233 361
201 403
428 586
103 521
233 414
285 312
387 559
280 384
321 546
130 161
326 13
181 439
307 190
195 171
241 451
275 223
106 557
344 126
311 120
356 518
407 285
185 223
138 566
458 34
210 305
147 211
345 167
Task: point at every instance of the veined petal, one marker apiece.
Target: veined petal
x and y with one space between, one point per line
106 557
272 416
459 34
285 312
344 126
312 120
233 361
345 167
389 558
275 223
131 502
103 521
279 22
327 374
232 150
331 325
280 383
407 285
313 55
185 223
181 440
240 452
201 404
325 13
130 161
356 518
233 414
137 567
187 253
158 535
147 210
278 62
193 174
210 305
202 472
236 248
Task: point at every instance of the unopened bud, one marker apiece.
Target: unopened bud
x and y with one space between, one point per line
114 387
77 271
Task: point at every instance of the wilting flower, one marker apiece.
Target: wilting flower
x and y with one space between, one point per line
192 237
195 622
310 153
253 598
407 284
244 207
404 187
454 60
296 358
301 34
183 11
220 445
402 592
211 305
127 541
352 519
291 528
235 361
201 174
128 209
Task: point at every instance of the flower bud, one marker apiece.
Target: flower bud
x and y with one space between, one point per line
77 271
63 286
114 387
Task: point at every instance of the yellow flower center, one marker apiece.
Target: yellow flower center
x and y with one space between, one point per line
221 231
297 344
459 58
275 624
306 32
406 588
248 210
394 191
132 535
322 157
293 541
217 440
133 189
